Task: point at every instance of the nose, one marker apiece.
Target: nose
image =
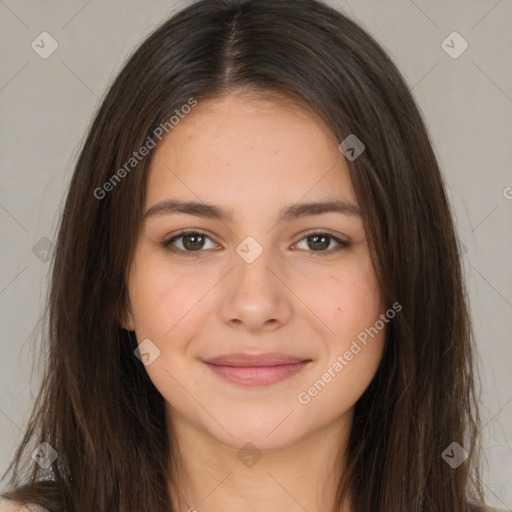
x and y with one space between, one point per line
256 295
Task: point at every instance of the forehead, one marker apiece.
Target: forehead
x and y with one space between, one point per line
238 143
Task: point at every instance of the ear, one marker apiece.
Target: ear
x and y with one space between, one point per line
128 324
127 320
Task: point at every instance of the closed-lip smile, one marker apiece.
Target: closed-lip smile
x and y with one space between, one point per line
256 369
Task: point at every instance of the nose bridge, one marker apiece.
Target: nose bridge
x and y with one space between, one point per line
256 296
253 262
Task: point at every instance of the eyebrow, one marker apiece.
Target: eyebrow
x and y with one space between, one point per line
288 213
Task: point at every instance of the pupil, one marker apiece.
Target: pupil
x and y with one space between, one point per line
316 238
194 244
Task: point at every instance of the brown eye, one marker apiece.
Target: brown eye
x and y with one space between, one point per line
320 243
189 242
193 242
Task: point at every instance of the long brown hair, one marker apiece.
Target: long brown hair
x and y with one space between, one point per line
97 406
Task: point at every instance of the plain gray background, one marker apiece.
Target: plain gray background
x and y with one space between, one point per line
47 104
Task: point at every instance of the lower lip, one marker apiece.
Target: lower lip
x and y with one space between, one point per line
257 375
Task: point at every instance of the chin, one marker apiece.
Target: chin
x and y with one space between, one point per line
272 432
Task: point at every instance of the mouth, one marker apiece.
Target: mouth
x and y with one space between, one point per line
256 370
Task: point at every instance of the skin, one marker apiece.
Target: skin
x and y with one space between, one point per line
254 156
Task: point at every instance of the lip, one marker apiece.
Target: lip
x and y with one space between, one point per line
256 369
245 359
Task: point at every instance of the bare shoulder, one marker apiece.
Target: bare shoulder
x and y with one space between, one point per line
11 506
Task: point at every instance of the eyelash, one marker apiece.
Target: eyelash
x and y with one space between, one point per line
168 243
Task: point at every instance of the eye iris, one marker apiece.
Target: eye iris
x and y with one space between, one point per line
316 238
195 245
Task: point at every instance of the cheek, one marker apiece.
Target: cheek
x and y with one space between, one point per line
352 301
359 336
164 300
354 351
357 307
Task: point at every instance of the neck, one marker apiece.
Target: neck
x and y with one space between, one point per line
212 476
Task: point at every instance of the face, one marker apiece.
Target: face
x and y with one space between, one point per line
255 304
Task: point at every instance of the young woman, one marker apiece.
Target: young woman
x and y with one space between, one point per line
256 299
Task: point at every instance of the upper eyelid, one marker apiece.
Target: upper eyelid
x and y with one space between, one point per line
186 232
